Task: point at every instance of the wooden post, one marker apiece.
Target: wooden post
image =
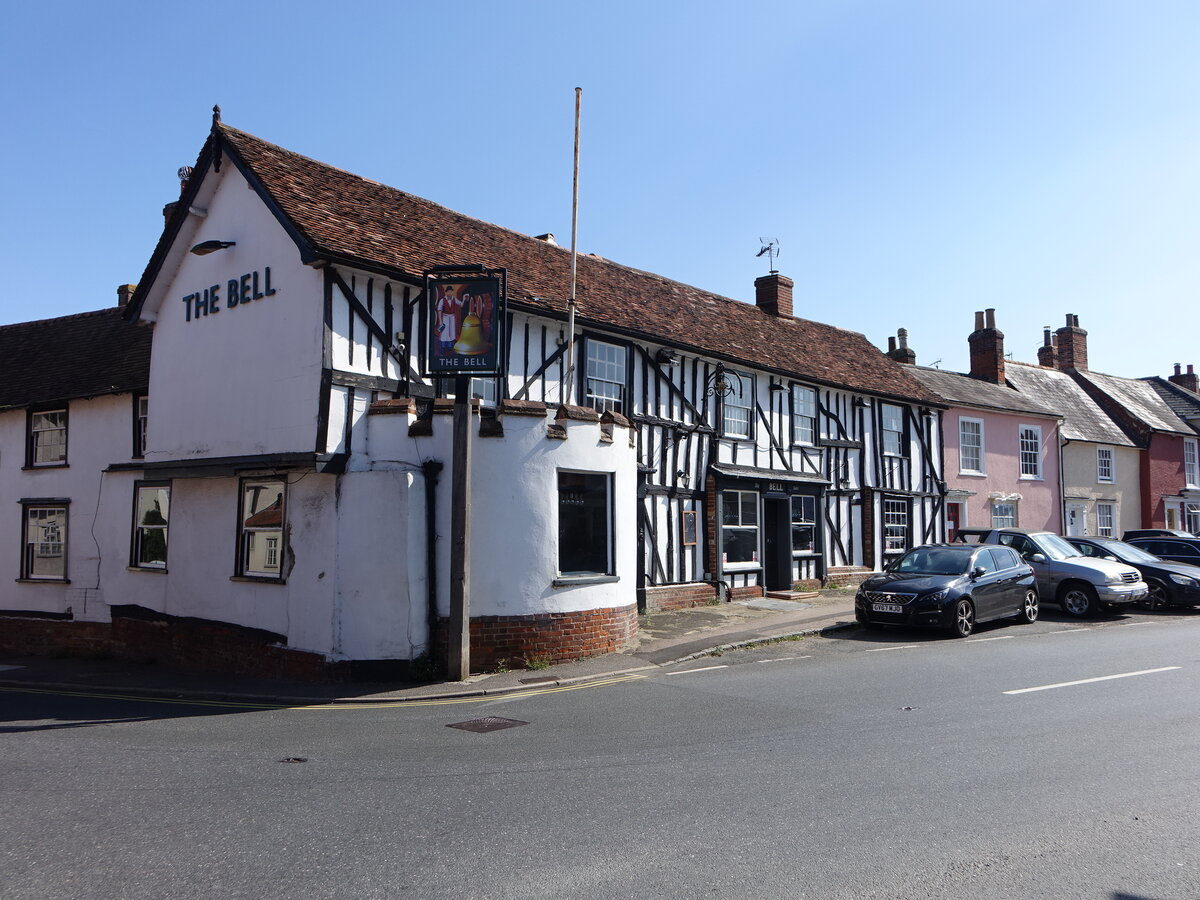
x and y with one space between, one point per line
458 659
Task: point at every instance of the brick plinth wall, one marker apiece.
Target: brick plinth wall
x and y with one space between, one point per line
514 641
681 596
144 636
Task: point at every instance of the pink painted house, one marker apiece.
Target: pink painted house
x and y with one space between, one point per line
1000 447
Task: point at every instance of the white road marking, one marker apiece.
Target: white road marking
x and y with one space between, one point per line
1003 637
782 658
885 649
1069 631
705 669
1047 687
1136 624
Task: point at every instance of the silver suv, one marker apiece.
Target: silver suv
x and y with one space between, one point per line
1081 585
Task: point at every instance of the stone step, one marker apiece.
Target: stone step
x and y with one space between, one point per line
792 595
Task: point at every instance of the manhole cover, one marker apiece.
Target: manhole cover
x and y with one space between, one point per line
488 723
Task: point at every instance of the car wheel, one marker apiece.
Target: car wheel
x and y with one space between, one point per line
1156 599
1028 612
1079 600
964 619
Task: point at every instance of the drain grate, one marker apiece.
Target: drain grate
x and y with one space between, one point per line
487 723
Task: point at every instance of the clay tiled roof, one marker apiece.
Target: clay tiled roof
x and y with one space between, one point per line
84 355
1083 419
963 390
335 214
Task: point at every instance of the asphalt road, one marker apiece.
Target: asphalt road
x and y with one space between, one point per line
870 765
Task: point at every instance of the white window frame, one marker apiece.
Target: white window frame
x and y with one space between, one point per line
248 534
50 541
962 460
740 525
897 521
804 415
805 518
1004 514
1030 457
141 529
606 376
1191 463
40 436
1106 465
735 400
893 438
1191 517
1106 519
141 421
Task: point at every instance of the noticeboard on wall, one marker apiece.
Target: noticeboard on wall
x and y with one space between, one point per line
466 315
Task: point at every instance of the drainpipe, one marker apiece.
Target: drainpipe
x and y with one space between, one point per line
1062 485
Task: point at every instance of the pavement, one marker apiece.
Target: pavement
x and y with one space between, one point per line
663 639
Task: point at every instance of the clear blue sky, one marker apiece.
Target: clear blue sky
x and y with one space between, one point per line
917 160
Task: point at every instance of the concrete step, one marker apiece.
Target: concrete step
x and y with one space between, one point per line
792 595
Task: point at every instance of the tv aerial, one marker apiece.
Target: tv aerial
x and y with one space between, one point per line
770 249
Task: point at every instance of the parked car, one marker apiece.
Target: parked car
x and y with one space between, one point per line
950 586
1081 585
1169 583
1178 549
1155 532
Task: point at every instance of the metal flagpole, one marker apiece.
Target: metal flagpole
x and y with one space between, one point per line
568 384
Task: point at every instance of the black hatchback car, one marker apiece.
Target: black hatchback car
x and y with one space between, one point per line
950 586
1170 583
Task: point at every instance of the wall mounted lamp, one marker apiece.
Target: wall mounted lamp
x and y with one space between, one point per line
206 247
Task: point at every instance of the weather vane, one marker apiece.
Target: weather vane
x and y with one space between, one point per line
770 249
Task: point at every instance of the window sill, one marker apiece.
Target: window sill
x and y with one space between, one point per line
575 580
257 579
151 569
741 567
61 465
1030 478
42 580
972 474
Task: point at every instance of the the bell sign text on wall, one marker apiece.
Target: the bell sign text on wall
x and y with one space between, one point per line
233 293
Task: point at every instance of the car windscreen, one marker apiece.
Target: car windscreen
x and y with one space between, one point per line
1129 553
1055 547
934 561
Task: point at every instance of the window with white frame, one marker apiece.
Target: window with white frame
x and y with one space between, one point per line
1104 464
970 445
737 400
895 525
151 512
141 418
585 523
1191 467
804 524
47 438
739 527
804 415
1191 517
485 390
1004 514
605 377
44 543
1106 519
1031 451
893 430
263 513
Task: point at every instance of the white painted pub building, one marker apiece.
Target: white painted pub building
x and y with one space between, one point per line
271 494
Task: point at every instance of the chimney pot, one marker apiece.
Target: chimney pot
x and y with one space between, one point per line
899 350
125 294
979 320
1189 380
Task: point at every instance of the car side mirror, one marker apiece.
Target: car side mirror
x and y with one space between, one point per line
1110 556
1038 558
978 571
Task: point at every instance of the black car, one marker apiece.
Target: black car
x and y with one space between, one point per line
1176 549
1155 532
950 586
1170 583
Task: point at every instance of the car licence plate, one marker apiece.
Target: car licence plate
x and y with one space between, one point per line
887 607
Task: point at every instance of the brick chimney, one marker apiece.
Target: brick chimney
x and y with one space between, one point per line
1048 352
1187 380
773 295
987 348
125 294
1072 345
898 348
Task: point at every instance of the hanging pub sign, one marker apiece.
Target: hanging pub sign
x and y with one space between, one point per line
466 310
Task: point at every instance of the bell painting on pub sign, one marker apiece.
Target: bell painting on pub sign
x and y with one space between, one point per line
466 322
